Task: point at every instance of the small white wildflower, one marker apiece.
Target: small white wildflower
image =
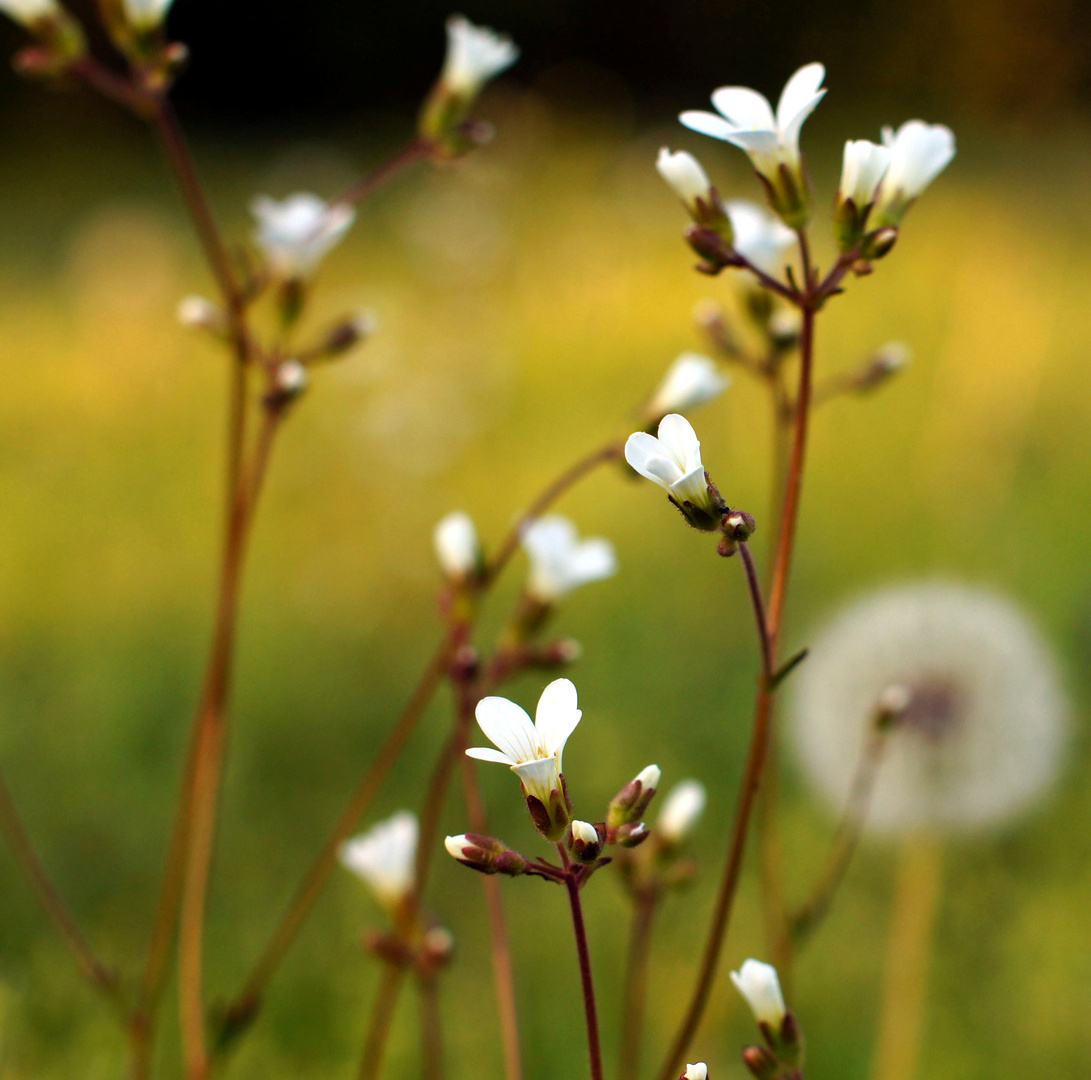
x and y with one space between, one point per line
682 809
760 238
862 168
384 857
197 313
919 152
560 561
295 235
673 461
456 544
759 985
474 55
690 381
982 729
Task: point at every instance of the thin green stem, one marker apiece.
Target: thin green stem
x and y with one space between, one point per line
635 988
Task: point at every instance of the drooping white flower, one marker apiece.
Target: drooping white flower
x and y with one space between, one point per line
771 140
759 985
690 381
295 235
862 168
699 1071
982 732
760 238
146 14
682 809
474 55
456 544
28 12
673 461
560 561
919 152
532 750
384 857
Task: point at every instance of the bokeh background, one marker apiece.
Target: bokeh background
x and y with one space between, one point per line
529 297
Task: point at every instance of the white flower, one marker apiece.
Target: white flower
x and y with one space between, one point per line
983 729
29 11
696 1072
533 750
296 235
474 55
862 167
760 238
673 461
456 544
146 14
919 152
681 811
746 120
690 381
560 561
384 857
759 985
585 831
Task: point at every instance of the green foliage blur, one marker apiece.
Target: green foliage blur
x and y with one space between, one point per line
529 298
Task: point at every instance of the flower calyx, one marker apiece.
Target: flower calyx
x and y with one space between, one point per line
486 854
630 803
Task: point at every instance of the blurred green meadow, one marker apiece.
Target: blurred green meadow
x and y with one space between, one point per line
529 298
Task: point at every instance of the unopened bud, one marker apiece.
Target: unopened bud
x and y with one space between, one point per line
290 381
790 1041
879 243
632 834
556 654
346 334
885 362
197 313
699 1071
785 326
457 546
585 843
632 800
759 985
681 811
485 853
738 526
437 946
760 1062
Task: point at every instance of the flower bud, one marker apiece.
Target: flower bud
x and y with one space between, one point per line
486 854
681 811
585 843
690 182
759 985
345 335
690 381
60 37
761 1063
632 800
631 835
885 362
919 152
457 547
879 243
290 381
197 313
436 947
551 818
695 1072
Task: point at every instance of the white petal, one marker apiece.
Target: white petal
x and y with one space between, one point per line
800 94
684 174
585 831
690 381
642 449
789 133
745 108
693 488
707 123
676 434
540 777
557 716
683 807
762 146
487 753
384 856
758 983
593 560
456 544
509 727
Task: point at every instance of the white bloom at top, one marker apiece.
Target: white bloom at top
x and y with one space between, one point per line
690 381
456 543
862 168
384 857
699 1071
146 14
681 811
919 152
673 461
560 561
474 55
759 985
982 731
747 120
29 11
760 238
296 234
532 750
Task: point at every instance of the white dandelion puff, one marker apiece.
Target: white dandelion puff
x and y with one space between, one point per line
982 730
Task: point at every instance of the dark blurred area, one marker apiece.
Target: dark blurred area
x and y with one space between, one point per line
997 60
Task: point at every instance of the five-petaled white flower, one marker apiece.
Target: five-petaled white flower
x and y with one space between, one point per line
560 561
146 14
919 152
296 235
747 120
28 12
690 381
862 168
759 985
760 238
681 811
474 55
457 546
673 461
532 750
384 857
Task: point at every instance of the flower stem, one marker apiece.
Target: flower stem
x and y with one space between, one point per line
382 1017
572 884
763 708
431 1028
635 987
410 154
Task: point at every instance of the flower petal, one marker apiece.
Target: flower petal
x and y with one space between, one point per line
557 716
593 560
745 108
678 438
640 449
509 727
487 753
801 92
707 123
